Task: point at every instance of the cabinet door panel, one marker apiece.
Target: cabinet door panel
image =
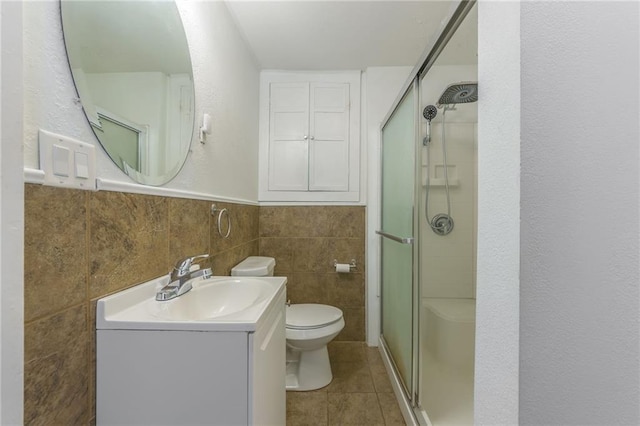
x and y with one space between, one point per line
330 126
290 95
329 129
288 169
136 378
290 126
328 96
329 166
288 133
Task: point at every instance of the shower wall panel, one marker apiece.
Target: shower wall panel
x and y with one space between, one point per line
448 262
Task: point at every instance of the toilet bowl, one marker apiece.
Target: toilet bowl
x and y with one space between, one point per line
309 328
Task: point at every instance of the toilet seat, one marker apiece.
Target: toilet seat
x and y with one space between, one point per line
314 333
309 316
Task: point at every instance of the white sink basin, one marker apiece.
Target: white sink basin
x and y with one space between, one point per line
213 304
211 298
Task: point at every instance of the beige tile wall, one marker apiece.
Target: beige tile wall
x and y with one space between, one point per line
304 242
80 246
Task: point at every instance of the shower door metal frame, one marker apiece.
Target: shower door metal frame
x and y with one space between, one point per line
411 391
413 83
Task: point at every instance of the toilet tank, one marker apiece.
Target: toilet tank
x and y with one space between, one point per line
254 266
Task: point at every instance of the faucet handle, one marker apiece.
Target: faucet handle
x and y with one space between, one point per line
183 266
207 273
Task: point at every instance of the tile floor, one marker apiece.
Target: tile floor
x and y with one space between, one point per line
360 393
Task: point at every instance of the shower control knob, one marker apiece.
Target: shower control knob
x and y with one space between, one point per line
442 224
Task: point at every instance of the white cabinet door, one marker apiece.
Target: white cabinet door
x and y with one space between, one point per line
150 378
288 137
309 137
329 137
268 369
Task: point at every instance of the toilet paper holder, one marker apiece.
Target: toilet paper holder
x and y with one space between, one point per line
352 264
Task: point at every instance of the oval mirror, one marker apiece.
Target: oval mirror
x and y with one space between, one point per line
132 70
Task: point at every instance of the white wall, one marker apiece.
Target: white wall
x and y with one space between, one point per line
579 333
11 216
497 302
226 84
147 105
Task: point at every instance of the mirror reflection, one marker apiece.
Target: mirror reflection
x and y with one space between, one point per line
132 70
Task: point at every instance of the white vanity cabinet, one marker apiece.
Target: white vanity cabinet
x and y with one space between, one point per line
310 136
224 376
267 369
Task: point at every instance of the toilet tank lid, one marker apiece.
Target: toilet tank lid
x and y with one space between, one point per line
311 315
254 266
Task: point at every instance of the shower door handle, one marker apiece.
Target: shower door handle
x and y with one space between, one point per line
401 240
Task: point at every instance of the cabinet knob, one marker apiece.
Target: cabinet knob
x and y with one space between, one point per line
305 137
312 138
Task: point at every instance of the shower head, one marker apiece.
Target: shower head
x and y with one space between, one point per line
459 93
429 112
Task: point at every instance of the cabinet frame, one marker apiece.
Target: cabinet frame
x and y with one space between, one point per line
353 79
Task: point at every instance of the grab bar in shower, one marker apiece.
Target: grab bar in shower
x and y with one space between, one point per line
401 240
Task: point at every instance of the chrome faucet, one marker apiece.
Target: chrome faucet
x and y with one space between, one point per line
182 276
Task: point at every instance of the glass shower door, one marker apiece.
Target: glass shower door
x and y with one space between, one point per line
398 183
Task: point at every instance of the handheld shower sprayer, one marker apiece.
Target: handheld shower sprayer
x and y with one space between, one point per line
429 112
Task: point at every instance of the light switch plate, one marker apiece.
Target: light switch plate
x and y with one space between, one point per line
67 162
82 165
61 160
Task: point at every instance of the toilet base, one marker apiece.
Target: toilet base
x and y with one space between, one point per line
308 370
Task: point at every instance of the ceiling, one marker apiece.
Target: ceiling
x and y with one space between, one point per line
285 35
335 35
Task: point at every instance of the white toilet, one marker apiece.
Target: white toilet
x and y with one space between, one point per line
310 327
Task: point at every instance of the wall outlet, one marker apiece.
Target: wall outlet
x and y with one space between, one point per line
67 162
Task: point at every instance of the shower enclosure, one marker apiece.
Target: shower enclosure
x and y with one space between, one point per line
428 229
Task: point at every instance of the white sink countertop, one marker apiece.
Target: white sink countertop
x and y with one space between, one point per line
214 304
